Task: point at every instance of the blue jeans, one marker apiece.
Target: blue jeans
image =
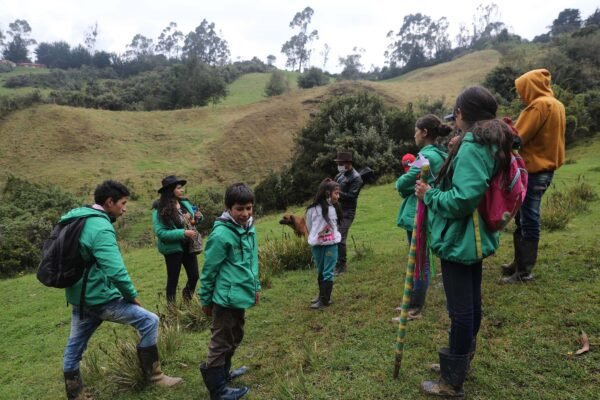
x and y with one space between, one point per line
119 311
462 284
528 217
326 258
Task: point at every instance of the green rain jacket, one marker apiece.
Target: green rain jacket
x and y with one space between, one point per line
405 185
452 206
108 278
169 238
230 273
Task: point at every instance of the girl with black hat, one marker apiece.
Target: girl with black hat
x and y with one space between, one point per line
173 220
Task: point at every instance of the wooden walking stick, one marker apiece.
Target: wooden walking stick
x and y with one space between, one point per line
408 281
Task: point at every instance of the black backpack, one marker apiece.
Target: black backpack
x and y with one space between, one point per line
61 265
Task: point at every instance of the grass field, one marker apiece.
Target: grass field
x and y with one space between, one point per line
346 351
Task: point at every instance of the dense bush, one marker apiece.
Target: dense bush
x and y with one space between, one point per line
312 77
378 135
277 84
211 203
9 104
27 214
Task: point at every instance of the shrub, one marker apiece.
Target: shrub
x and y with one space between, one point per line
210 201
560 207
278 84
27 214
312 77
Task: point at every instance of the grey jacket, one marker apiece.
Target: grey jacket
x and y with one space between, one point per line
350 184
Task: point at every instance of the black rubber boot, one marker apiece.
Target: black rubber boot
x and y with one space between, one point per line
318 296
187 294
74 386
235 373
325 290
509 269
453 371
527 259
215 381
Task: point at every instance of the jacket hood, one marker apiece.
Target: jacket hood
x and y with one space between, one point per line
226 218
435 149
85 211
534 84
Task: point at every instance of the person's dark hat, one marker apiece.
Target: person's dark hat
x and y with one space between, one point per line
171 180
343 156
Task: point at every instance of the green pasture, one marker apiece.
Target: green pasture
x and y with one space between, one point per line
346 350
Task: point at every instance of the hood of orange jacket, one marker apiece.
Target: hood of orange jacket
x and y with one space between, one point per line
534 84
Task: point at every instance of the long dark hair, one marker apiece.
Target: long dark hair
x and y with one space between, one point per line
167 208
326 187
478 109
434 126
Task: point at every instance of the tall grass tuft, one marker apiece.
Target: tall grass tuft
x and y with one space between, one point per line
116 368
362 250
561 206
186 314
286 253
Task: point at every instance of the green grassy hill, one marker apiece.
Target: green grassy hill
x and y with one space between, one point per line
242 138
346 351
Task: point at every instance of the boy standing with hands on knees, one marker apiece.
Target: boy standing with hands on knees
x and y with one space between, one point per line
229 284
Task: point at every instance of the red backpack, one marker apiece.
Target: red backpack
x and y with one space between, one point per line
505 195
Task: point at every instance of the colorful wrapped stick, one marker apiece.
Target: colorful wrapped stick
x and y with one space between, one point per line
419 226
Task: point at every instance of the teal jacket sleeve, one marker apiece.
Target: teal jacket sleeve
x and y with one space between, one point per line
405 185
108 258
165 233
215 254
472 171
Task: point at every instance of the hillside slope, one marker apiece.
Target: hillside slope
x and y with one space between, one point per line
241 139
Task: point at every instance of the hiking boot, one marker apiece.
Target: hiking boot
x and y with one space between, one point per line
453 371
151 367
74 386
216 382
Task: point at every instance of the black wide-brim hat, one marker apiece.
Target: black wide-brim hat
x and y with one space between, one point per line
343 156
170 181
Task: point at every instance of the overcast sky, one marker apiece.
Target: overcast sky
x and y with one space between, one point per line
260 27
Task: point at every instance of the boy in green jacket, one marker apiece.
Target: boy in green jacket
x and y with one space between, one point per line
229 285
109 293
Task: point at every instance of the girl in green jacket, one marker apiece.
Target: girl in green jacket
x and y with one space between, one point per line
427 129
170 215
458 235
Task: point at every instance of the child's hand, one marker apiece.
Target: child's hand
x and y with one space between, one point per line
190 233
198 215
207 310
420 189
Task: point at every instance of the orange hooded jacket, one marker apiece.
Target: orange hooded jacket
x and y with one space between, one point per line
541 125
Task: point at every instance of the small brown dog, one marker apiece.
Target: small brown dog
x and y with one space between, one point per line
298 224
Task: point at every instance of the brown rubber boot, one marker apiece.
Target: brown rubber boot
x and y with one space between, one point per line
151 367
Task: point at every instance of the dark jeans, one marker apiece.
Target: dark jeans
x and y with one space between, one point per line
462 284
348 218
190 263
528 217
227 333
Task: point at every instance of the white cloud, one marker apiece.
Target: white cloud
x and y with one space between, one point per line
260 27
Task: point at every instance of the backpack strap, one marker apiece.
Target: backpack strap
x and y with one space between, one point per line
478 249
86 273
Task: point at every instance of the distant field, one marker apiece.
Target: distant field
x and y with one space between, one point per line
242 138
